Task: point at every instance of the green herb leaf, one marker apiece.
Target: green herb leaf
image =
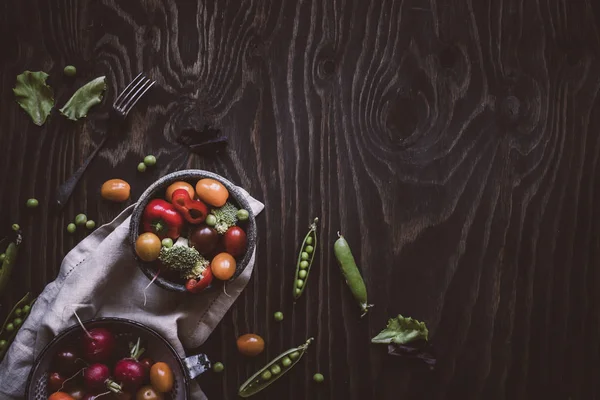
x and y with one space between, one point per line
402 330
34 96
84 98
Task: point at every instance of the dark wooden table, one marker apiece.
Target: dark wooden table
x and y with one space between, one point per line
454 143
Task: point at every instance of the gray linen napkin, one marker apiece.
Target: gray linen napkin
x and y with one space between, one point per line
100 278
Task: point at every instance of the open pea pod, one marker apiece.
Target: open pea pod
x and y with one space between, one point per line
306 257
13 322
273 370
10 256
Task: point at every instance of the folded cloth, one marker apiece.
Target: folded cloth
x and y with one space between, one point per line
100 278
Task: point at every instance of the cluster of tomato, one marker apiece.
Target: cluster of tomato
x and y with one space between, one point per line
185 211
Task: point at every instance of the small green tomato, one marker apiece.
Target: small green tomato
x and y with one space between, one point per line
71 228
167 242
32 203
80 219
150 160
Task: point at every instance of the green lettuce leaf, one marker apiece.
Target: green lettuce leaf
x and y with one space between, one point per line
34 96
401 330
84 98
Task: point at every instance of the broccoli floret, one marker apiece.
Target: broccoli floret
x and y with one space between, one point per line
226 217
184 259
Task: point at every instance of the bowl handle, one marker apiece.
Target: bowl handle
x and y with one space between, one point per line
196 365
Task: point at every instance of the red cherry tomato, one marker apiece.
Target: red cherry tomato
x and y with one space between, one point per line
235 241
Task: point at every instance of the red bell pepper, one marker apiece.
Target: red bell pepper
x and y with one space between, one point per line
196 286
194 211
161 218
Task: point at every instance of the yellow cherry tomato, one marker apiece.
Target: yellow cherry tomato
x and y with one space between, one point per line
212 192
223 266
161 377
147 246
179 185
115 190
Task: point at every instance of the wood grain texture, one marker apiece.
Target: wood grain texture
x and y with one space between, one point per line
454 143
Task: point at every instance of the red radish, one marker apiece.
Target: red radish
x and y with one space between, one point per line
129 372
96 376
98 345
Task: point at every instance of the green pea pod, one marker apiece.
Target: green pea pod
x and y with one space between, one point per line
353 278
273 370
9 261
7 336
303 266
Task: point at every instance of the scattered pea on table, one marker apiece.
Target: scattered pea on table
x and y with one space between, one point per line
318 378
278 316
71 228
149 160
141 167
70 70
32 203
90 224
80 219
15 227
218 367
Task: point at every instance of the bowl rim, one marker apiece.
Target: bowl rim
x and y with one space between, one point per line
102 320
187 175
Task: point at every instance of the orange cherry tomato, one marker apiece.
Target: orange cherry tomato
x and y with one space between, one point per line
223 266
115 190
250 344
149 393
161 377
147 246
179 185
60 396
212 192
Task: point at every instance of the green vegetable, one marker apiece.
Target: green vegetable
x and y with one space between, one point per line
150 160
272 371
2 257
10 256
167 242
318 378
84 98
26 308
353 278
90 224
34 96
9 328
3 344
17 322
226 217
243 215
401 330
218 367
278 316
32 203
80 219
305 259
71 228
18 312
141 167
210 220
184 259
15 227
70 70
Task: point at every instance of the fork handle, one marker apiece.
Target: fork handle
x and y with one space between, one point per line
64 191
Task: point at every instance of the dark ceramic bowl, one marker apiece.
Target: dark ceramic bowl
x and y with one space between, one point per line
157 190
125 331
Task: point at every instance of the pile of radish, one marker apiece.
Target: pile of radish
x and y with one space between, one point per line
101 366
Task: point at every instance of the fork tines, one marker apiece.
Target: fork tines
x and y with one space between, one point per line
132 93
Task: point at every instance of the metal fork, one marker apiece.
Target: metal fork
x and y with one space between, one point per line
121 107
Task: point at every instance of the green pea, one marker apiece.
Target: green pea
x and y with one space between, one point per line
9 327
80 219
266 375
309 240
150 160
295 355
2 344
303 264
18 312
318 378
32 203
90 224
275 369
278 316
15 227
167 242
141 167
302 273
298 291
70 70
218 367
243 215
299 283
309 249
26 308
286 362
210 220
2 257
71 228
304 256
17 322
